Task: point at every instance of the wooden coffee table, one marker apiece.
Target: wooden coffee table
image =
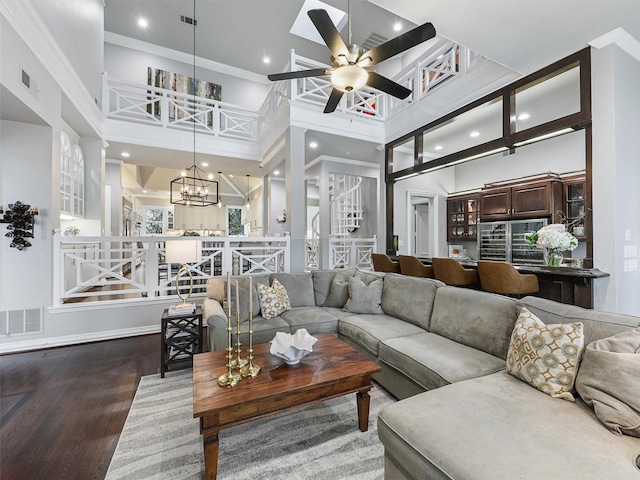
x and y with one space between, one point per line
333 369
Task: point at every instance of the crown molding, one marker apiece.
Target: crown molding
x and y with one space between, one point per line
622 39
128 42
34 33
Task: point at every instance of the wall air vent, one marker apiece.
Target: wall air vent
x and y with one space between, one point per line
21 322
28 82
189 20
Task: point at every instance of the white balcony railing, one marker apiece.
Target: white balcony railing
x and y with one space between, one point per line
104 268
169 109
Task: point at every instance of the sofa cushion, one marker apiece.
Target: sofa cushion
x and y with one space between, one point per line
339 291
263 330
497 427
597 324
322 283
244 302
609 381
364 297
545 356
314 319
367 330
409 298
299 287
273 299
477 319
433 361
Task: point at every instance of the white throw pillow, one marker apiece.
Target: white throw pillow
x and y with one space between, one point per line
273 300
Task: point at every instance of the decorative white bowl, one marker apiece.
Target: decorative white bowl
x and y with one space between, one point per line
292 348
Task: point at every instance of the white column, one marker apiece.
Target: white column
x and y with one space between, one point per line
296 196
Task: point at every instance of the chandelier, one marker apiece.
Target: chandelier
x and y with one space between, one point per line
194 187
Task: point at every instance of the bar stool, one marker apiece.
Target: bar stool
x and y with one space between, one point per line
503 278
449 271
412 266
382 263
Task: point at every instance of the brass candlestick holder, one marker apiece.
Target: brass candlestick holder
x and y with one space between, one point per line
250 370
238 362
229 379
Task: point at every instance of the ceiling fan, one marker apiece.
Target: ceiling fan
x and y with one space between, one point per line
352 66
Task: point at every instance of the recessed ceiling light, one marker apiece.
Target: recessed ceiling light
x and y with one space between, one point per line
266 60
276 172
142 22
230 175
204 164
313 145
144 191
438 147
474 134
397 27
210 176
523 116
125 154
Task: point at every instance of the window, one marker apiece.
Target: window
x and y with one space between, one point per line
71 178
234 221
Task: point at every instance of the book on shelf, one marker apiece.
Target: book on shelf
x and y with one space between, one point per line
175 310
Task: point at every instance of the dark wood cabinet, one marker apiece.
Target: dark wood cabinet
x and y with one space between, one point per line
525 200
462 218
574 205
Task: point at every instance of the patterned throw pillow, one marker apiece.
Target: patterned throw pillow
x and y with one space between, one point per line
545 356
273 300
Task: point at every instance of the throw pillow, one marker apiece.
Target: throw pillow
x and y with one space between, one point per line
273 300
609 381
545 356
339 293
364 298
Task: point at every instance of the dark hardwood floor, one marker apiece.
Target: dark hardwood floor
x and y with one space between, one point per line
62 409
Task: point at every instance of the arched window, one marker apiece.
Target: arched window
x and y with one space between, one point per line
71 178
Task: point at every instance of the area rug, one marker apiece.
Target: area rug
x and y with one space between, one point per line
161 439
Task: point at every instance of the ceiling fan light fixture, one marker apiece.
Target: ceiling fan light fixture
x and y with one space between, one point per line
349 78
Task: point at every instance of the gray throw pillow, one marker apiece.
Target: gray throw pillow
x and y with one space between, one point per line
339 293
364 298
609 381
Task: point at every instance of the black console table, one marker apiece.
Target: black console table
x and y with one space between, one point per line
181 338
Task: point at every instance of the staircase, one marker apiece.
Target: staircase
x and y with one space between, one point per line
346 206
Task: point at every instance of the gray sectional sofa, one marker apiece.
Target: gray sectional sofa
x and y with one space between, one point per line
443 352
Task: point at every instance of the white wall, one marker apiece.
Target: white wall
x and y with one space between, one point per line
616 177
129 64
78 28
26 275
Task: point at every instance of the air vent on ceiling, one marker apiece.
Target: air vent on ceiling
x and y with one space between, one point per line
189 20
373 41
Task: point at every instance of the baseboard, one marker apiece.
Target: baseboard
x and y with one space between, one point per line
42 343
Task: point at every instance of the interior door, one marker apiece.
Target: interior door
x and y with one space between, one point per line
422 238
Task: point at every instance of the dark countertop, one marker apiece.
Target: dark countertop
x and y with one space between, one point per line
538 269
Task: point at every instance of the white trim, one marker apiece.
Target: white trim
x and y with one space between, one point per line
110 304
34 33
128 42
348 161
77 339
622 39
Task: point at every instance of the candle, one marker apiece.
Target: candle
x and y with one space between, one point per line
250 295
237 298
229 290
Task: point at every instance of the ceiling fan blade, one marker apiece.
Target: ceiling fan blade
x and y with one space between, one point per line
334 100
379 82
399 44
314 72
328 32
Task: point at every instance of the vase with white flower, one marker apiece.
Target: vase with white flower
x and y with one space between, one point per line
553 240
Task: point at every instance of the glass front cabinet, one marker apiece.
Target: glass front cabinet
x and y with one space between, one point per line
462 218
574 205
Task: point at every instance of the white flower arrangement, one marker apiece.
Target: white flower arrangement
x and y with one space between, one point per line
552 237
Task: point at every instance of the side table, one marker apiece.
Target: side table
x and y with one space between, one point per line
181 338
